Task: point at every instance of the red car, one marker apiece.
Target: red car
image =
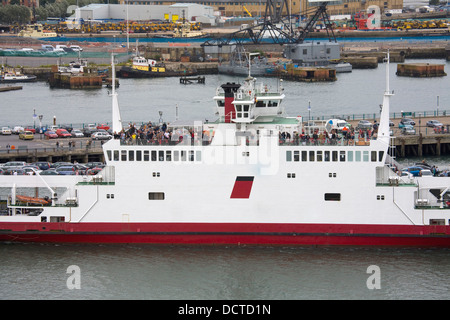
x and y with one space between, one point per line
50 135
33 130
63 133
103 126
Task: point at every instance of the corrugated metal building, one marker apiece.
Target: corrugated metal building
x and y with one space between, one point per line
137 12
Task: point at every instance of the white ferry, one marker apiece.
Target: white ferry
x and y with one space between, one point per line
247 179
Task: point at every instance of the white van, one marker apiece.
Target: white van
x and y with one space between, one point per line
76 48
47 47
337 124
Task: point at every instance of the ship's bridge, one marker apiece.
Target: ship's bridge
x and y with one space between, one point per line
248 103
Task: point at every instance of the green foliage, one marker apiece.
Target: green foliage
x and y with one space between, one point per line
14 13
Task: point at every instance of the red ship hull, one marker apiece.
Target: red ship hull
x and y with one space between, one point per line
229 234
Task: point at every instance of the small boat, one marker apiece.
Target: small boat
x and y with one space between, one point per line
184 30
241 61
36 31
16 77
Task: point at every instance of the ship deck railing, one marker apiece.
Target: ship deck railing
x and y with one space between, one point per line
282 142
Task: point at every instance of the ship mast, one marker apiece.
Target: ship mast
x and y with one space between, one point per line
383 129
116 118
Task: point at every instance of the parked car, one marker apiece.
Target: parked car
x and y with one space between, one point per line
101 136
364 125
6 131
66 170
89 131
50 134
61 163
31 170
76 48
63 133
95 164
434 124
414 170
17 130
49 172
408 129
26 135
77 133
42 165
103 126
33 130
14 172
425 173
14 164
406 121
67 127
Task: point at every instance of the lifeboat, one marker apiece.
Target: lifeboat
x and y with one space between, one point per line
33 200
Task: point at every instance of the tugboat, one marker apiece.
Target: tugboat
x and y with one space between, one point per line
148 68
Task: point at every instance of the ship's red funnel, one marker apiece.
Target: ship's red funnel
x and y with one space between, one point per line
230 89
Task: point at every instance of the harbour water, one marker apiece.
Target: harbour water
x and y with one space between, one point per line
42 271
356 93
76 271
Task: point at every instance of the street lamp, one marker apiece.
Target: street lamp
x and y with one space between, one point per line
34 118
309 111
437 106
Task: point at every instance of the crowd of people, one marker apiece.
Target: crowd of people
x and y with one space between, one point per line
162 134
159 134
334 137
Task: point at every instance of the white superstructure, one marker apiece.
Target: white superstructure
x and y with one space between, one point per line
253 176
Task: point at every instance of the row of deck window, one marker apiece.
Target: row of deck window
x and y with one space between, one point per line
154 155
334 155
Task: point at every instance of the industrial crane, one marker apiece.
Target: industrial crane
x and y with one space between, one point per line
276 28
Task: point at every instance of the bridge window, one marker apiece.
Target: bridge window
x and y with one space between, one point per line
289 155
350 156
319 156
365 156
332 197
156 196
373 156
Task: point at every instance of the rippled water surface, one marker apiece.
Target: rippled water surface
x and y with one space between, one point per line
39 271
